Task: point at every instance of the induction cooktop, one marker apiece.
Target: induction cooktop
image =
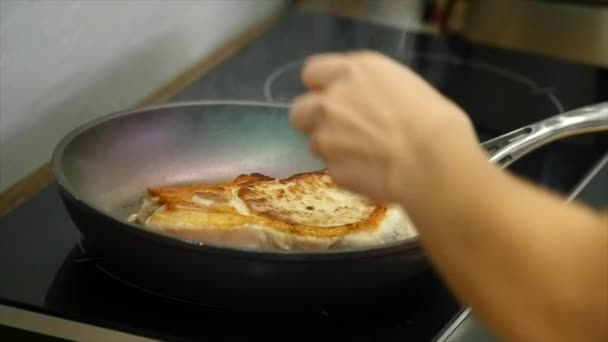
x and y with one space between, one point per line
46 270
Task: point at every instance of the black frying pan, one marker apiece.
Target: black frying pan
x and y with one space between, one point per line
104 167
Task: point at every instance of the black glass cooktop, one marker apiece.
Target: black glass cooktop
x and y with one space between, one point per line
44 268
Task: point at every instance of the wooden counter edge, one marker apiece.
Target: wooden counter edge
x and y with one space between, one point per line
30 185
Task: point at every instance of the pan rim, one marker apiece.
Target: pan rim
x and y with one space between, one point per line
307 255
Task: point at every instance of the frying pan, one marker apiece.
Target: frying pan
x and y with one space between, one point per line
104 167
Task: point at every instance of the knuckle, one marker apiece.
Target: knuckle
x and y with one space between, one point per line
308 69
296 103
369 55
322 104
325 107
340 95
302 112
348 68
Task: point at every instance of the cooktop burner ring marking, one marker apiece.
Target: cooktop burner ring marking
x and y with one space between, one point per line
145 290
275 74
105 271
76 261
534 87
81 246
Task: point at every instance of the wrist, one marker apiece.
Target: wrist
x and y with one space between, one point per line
450 169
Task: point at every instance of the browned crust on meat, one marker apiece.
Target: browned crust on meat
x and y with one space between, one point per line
179 207
181 196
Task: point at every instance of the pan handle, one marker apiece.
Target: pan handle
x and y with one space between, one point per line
508 148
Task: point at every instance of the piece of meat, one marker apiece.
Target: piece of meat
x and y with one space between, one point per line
305 211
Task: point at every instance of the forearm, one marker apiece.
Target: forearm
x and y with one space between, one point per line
528 263
532 266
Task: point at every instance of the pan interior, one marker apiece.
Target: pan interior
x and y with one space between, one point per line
109 163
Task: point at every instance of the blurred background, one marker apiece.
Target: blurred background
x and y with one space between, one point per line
63 63
508 63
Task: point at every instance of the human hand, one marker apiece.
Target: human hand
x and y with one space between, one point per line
378 126
385 133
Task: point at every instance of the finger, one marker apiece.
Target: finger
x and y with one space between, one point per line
328 144
346 173
325 144
316 142
305 112
320 70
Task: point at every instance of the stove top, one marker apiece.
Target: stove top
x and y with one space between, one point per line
46 269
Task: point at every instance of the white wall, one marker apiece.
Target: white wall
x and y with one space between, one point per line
63 63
